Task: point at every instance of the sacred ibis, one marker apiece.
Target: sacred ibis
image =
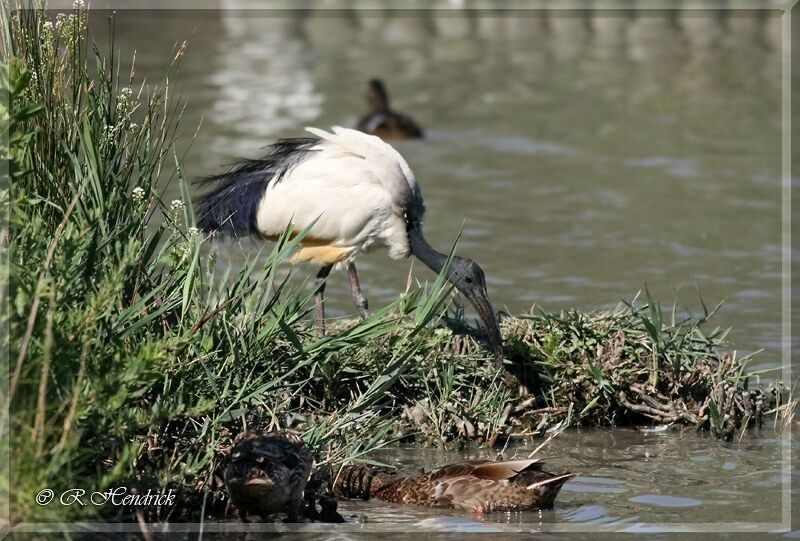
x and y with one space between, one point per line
382 120
356 190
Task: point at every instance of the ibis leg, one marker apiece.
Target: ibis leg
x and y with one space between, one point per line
319 298
358 296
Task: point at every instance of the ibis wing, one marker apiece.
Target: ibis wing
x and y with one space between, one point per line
337 193
384 162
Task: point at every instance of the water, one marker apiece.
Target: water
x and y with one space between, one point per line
585 154
626 478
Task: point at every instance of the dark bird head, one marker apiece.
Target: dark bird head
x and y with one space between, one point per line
467 276
376 96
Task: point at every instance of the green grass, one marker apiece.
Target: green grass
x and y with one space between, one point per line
135 359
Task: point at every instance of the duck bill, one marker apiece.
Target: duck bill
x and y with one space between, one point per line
479 298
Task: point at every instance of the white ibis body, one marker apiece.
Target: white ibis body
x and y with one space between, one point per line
355 192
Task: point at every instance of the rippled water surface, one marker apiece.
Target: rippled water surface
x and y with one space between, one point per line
626 478
586 154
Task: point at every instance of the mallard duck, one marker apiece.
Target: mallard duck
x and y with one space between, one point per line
268 473
381 120
479 486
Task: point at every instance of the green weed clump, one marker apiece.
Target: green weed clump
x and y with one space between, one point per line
624 366
628 366
135 360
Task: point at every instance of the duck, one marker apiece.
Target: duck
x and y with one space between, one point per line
267 474
381 120
476 486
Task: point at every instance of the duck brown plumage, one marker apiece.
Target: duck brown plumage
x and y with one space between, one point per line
268 473
480 486
382 120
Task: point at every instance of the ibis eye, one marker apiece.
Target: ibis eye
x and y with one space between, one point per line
468 280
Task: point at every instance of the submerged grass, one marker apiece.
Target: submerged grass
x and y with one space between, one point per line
134 363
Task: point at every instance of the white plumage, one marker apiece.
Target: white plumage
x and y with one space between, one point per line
353 192
357 189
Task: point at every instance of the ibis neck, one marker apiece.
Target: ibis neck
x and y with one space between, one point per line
423 251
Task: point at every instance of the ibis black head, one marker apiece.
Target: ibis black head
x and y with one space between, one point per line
467 276
464 274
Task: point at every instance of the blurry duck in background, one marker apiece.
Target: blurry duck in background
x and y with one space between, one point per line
267 474
478 486
381 120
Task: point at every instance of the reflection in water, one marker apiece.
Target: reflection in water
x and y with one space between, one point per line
265 65
665 501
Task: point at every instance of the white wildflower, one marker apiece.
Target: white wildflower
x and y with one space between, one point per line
48 26
138 194
133 125
108 133
176 205
193 232
64 21
125 94
124 102
78 4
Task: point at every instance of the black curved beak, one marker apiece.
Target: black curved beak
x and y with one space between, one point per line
479 298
